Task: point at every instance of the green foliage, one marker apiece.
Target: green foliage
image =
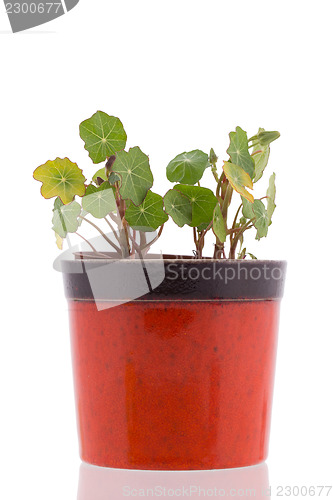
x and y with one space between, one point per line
136 177
120 191
179 207
261 218
100 201
187 168
65 217
239 151
219 225
271 192
203 201
103 136
149 215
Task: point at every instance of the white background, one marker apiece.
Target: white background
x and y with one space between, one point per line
180 75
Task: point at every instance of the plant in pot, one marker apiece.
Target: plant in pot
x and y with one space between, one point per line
179 373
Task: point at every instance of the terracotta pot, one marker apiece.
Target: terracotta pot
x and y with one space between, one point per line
181 377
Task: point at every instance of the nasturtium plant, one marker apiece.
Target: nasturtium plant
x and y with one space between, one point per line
120 192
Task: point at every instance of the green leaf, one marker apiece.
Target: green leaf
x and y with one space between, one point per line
203 203
60 177
149 215
239 151
219 226
179 207
247 209
187 168
239 179
253 257
261 222
103 135
260 155
65 217
99 201
100 173
136 177
271 192
203 226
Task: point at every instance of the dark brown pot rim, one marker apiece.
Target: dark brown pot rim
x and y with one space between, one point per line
180 278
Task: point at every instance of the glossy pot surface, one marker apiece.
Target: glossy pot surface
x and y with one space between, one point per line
174 383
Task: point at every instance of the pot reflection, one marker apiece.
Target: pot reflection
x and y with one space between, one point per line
99 483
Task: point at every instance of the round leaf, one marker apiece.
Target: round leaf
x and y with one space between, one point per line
149 215
203 202
99 201
65 217
239 179
178 207
239 151
136 177
187 168
62 178
103 136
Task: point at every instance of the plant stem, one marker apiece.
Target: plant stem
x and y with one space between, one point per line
234 242
218 188
88 242
148 245
102 234
113 230
235 219
226 201
201 241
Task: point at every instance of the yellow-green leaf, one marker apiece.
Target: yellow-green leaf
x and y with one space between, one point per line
60 177
239 179
59 241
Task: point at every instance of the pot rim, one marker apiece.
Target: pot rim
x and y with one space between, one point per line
173 279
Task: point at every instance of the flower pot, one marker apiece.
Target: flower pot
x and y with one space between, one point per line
182 377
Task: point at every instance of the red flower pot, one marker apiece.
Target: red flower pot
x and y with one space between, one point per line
182 377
